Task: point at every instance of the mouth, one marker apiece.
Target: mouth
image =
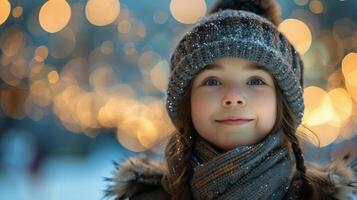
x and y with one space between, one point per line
234 121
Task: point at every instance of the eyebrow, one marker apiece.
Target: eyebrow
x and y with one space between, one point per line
219 67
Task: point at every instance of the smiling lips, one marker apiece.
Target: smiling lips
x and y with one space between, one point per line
234 121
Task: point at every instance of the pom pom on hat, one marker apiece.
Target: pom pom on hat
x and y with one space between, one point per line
269 9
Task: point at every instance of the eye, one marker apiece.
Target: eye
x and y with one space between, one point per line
211 82
256 81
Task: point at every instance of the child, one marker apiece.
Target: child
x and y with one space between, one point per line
235 96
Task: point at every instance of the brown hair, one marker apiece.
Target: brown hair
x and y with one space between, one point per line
179 147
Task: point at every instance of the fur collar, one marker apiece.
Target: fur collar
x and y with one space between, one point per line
133 174
336 180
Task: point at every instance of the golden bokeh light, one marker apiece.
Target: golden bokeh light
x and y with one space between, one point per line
18 68
65 105
36 68
87 107
349 70
318 106
5 8
148 59
73 127
127 134
102 12
14 41
159 75
5 60
129 140
32 110
316 6
147 132
40 93
7 74
143 126
349 63
108 113
351 84
354 113
17 12
75 72
298 34
188 11
102 78
124 26
351 78
106 47
342 104
41 53
12 102
53 77
324 135
54 15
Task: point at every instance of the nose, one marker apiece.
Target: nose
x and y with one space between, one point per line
233 98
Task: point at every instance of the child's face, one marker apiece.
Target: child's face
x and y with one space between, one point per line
233 87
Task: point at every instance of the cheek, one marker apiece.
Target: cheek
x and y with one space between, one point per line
201 106
267 106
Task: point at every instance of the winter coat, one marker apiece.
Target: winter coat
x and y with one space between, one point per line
138 179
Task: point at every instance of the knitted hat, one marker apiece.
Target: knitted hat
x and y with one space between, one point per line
242 34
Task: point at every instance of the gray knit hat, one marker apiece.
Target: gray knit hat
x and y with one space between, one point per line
242 34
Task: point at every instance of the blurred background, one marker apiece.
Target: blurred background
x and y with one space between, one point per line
82 84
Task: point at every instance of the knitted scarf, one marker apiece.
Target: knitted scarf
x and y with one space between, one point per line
260 171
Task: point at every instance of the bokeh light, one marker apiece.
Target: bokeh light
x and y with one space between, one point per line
53 77
324 134
102 12
41 53
17 11
102 78
159 75
349 70
5 8
188 11
298 34
12 101
95 79
342 104
349 63
54 15
318 106
13 40
40 93
106 47
316 6
124 26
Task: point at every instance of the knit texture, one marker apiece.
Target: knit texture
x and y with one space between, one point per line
240 34
260 171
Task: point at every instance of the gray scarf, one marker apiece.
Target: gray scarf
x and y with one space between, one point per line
260 171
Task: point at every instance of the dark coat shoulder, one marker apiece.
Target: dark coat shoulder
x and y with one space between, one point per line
142 179
137 179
